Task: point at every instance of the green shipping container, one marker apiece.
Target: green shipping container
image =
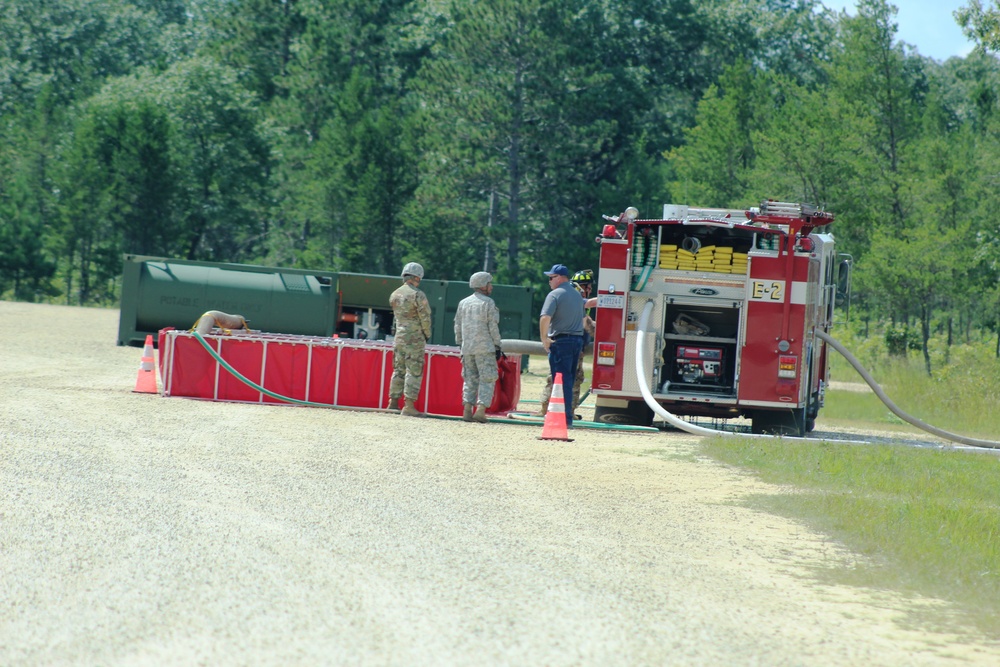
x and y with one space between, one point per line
158 293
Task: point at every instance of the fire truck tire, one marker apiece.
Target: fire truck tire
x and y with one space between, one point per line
779 422
636 414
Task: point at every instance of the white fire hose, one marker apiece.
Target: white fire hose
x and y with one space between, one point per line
640 371
647 395
531 347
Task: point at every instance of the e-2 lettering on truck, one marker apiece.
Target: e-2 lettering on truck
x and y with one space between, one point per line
733 299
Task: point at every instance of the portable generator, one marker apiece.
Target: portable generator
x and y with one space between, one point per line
697 365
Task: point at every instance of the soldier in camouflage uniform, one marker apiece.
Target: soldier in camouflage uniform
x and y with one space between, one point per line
477 331
411 330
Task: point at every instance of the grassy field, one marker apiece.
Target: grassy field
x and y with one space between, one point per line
923 520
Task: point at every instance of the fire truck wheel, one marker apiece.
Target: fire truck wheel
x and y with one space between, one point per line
636 414
779 422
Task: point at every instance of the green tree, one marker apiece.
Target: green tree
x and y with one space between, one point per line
791 38
979 187
257 38
909 271
344 132
980 23
802 153
28 215
536 115
54 55
363 166
489 100
714 166
219 137
174 163
117 187
880 82
629 85
944 199
70 47
880 92
25 266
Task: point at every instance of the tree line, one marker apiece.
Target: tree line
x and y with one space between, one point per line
357 135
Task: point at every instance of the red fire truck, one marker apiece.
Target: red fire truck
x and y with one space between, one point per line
733 299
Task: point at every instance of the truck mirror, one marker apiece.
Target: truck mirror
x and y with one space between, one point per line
844 280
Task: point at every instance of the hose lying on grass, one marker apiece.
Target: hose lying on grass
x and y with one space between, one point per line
924 426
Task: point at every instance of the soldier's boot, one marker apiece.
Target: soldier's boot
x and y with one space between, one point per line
480 415
394 404
543 408
409 410
467 412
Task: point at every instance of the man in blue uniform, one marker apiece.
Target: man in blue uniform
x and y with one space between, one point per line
561 329
583 282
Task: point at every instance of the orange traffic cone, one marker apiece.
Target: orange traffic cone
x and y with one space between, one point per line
555 417
146 382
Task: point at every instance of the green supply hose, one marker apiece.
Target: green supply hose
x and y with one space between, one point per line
250 383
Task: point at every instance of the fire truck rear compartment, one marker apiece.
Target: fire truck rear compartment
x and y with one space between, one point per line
699 352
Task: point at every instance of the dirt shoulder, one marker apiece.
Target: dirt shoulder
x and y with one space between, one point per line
137 529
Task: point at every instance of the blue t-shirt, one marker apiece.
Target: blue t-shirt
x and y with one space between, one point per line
565 306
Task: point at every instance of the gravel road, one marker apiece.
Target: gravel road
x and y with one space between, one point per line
142 530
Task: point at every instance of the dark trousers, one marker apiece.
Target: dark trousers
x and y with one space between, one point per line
564 355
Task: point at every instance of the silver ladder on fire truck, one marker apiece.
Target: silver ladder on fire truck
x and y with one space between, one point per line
737 297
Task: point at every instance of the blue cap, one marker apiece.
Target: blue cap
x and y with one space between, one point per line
558 270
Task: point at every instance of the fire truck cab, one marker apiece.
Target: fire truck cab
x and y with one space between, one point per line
737 296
